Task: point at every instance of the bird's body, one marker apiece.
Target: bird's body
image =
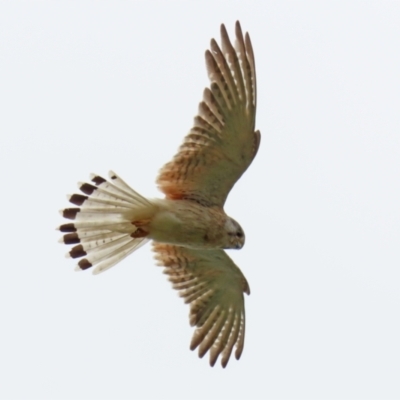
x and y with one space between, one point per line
189 227
187 223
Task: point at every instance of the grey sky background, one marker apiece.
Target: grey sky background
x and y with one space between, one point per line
88 86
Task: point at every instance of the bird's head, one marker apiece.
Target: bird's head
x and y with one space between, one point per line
235 235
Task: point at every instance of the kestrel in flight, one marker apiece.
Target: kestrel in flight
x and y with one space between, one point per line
189 227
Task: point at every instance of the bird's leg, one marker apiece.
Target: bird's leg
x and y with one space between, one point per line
141 230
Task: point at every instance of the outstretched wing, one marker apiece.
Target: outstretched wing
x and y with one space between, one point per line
222 143
213 286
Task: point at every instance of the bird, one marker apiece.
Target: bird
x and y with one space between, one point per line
189 228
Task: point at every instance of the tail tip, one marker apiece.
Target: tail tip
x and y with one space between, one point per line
112 175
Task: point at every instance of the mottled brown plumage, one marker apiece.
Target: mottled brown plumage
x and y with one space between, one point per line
213 286
223 142
189 227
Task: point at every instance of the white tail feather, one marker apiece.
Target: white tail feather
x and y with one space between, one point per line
99 253
86 226
103 193
101 246
124 186
95 203
119 256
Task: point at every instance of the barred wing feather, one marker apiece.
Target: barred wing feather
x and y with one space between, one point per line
213 286
222 143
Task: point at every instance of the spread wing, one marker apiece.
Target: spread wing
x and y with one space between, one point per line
213 286
222 143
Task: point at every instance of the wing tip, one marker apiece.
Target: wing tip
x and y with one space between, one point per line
238 30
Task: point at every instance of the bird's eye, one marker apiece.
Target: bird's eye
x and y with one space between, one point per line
239 234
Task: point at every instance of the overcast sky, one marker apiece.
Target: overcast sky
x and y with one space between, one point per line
88 86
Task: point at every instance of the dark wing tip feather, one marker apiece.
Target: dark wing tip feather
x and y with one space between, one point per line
238 30
224 32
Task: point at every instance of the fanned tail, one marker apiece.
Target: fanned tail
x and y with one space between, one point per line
108 224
